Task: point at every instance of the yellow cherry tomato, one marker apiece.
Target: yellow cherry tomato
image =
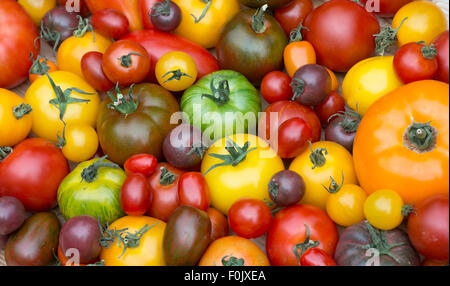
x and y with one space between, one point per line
73 49
81 142
369 80
202 20
37 8
322 164
425 21
15 120
176 71
346 206
149 251
383 209
46 116
249 177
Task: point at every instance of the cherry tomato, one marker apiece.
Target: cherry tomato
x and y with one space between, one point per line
297 54
126 62
286 188
41 66
165 16
441 44
293 14
333 104
144 164
275 86
146 10
81 142
193 191
219 224
249 218
91 65
135 195
110 23
316 257
293 137
345 205
384 209
342 128
311 84
176 71
416 61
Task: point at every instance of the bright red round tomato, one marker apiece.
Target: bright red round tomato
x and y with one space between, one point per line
110 23
428 228
316 257
249 218
386 8
289 229
144 164
332 105
441 44
275 86
91 66
193 191
292 14
293 137
341 32
135 195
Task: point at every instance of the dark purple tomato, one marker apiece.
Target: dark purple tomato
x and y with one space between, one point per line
311 84
166 16
3 241
184 146
286 188
110 23
12 214
342 130
81 233
58 25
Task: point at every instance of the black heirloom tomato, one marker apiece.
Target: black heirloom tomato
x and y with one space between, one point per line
58 25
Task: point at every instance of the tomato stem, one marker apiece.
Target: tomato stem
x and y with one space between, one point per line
4 152
161 8
125 60
89 174
120 103
386 38
420 137
298 87
317 156
62 140
176 74
232 261
274 188
198 149
221 94
351 121
428 52
258 20
408 209
49 34
21 110
38 67
166 177
296 34
208 4
334 186
305 245
84 26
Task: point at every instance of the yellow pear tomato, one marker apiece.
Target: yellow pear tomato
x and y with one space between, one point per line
37 8
15 120
346 206
81 142
176 71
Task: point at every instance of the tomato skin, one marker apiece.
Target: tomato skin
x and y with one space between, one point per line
316 257
411 65
110 23
428 228
146 8
135 195
249 218
442 46
298 54
193 191
144 164
383 209
292 14
275 86
219 224
129 8
346 207
387 8
91 65
330 106
81 142
293 137
172 62
62 21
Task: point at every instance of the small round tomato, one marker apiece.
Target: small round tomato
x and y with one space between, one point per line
275 86
81 142
286 188
316 257
165 16
219 224
135 195
91 65
441 44
425 21
345 206
298 54
41 66
15 123
110 23
333 104
126 62
37 8
342 128
311 84
293 137
144 164
249 218
291 15
193 191
176 71
416 61
384 209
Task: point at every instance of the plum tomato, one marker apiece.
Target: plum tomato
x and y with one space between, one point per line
91 66
135 195
110 23
193 191
144 164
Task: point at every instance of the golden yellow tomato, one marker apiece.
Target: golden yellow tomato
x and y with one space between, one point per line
346 206
15 120
37 8
250 175
73 49
81 142
149 251
205 30
369 80
46 116
425 22
383 209
318 165
176 71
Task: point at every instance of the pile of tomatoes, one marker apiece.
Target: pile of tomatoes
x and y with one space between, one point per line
126 136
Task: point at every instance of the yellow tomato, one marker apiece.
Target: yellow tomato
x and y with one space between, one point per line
149 251
176 71
425 22
46 116
248 178
207 30
37 8
73 49
15 121
346 206
331 161
81 142
369 80
383 209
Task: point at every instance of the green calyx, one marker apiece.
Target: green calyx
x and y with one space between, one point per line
305 245
298 87
198 149
120 103
351 121
49 34
89 174
84 26
161 9
63 98
38 67
408 209
428 52
274 188
386 38
232 261
208 4
317 156
296 34
21 110
221 94
236 155
4 152
62 139
334 186
259 21
166 177
420 137
176 74
125 60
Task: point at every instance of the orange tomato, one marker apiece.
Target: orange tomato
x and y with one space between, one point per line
298 54
402 142
40 67
334 80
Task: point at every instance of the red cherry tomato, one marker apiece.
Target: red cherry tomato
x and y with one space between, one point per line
293 137
193 191
135 195
110 23
316 257
91 65
332 105
441 44
144 164
292 14
275 86
219 224
249 218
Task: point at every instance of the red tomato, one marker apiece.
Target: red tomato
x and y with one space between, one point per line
441 44
292 14
428 228
164 188
193 191
288 229
146 10
249 218
110 23
416 61
332 105
341 32
276 86
32 173
386 8
316 257
144 164
135 195
17 41
91 65
293 137
219 224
